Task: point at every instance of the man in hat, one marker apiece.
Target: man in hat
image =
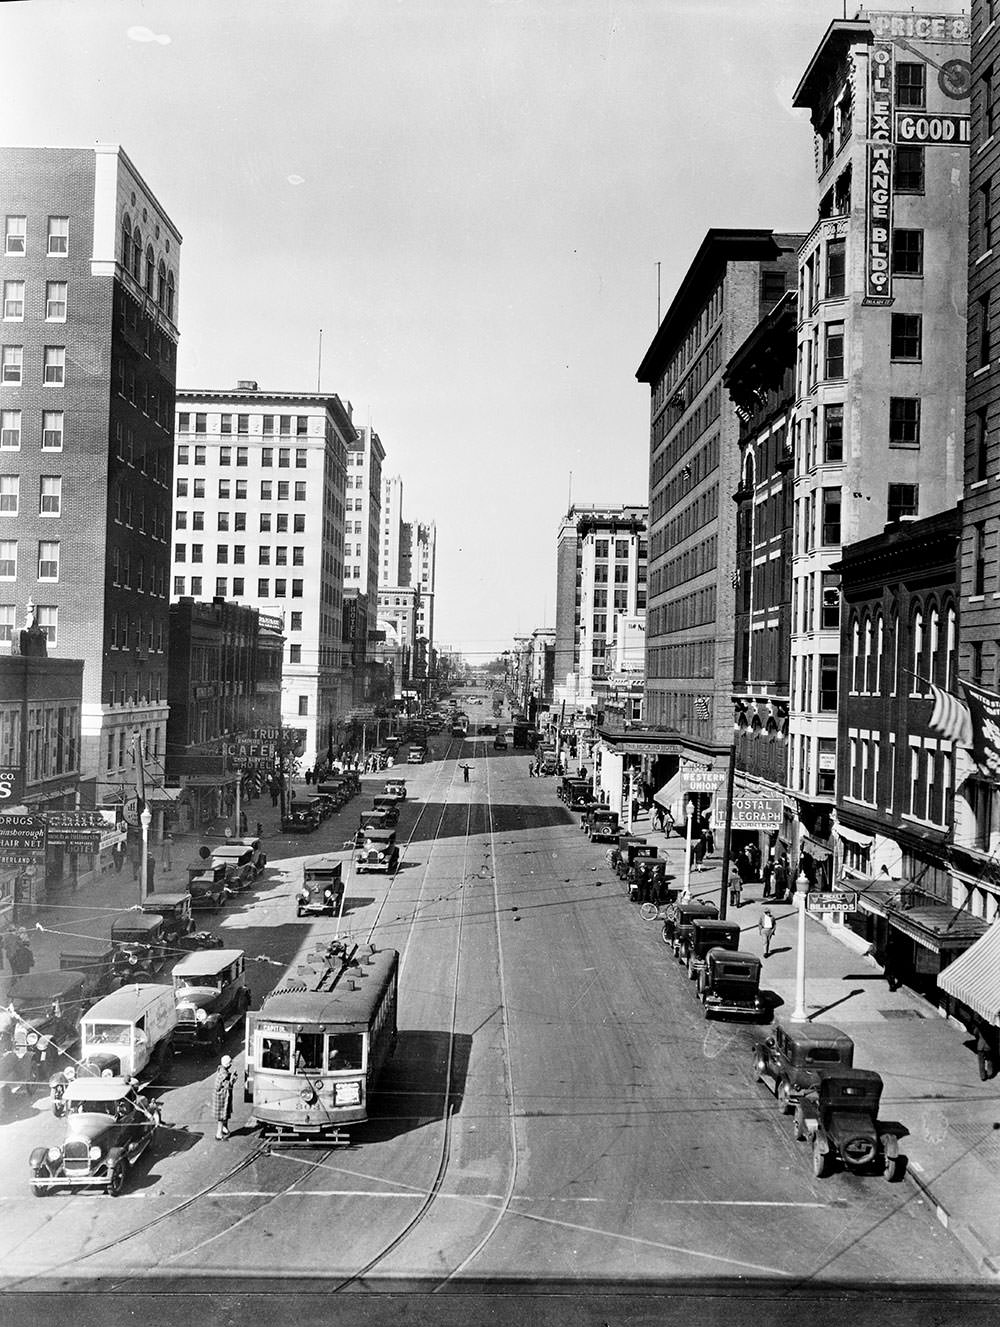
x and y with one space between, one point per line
222 1097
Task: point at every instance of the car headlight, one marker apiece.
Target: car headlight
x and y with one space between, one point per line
94 1153
32 1039
54 1153
200 1016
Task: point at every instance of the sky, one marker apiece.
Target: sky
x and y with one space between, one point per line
469 197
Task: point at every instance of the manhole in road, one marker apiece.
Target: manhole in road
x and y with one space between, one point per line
902 1013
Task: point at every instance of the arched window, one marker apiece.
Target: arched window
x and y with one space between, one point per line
917 657
932 651
855 656
879 651
161 283
951 646
170 294
150 270
868 654
137 254
126 241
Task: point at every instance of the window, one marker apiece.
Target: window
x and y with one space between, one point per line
225 455
199 454
296 589
301 425
280 588
295 654
197 520
296 622
902 502
263 588
284 425
300 491
8 559
221 584
48 619
264 555
12 361
178 585
267 424
239 519
242 423
908 252
836 268
58 245
828 671
908 176
242 454
267 456
183 455
49 495
299 555
281 522
904 421
239 553
13 301
981 445
906 336
196 585
834 361
55 301
10 430
237 585
284 455
831 516
225 423
266 489
991 100
199 488
241 490
201 425
223 521
911 84
17 231
833 433
180 552
196 552
48 559
52 430
303 704
224 488
265 521
282 490
301 458
180 520
54 371
983 304
10 487
986 217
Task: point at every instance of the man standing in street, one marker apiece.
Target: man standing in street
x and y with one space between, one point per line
766 926
222 1097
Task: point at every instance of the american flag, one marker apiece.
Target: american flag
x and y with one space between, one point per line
701 707
686 472
950 718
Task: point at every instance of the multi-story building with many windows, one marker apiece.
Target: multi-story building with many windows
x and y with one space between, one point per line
259 515
89 275
362 530
600 575
423 570
391 532
881 341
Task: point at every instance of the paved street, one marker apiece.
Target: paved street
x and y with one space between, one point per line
557 1110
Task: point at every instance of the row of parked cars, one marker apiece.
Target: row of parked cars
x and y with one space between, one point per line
304 814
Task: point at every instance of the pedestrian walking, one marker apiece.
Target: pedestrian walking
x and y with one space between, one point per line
20 957
309 776
658 819
167 852
735 888
780 880
766 928
768 876
222 1097
243 823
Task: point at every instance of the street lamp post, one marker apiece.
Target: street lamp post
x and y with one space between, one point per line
145 820
799 1014
689 813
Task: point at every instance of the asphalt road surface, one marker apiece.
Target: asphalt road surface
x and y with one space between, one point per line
558 1112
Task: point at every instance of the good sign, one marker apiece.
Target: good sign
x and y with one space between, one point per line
933 129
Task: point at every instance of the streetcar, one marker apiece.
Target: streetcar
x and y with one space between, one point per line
459 725
318 1042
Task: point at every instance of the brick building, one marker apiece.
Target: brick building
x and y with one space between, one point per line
89 273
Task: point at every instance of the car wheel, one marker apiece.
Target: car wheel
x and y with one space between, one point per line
665 934
40 1190
784 1097
987 1065
822 1164
116 1180
648 912
799 1125
895 1168
759 1067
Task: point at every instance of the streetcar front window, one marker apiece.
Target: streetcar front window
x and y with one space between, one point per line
275 1053
345 1050
308 1050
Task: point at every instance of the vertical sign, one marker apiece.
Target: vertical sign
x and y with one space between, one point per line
878 186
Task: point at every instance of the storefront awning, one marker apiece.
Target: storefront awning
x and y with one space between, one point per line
852 836
974 977
815 849
669 793
934 925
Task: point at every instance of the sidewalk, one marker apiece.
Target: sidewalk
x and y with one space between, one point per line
931 1076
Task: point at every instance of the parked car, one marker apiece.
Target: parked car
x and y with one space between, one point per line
210 996
602 826
500 742
36 1025
95 962
336 789
840 1115
175 911
140 943
391 806
207 884
376 820
703 934
797 1056
677 922
302 816
109 1125
396 789
322 887
729 983
128 1033
378 852
241 865
416 755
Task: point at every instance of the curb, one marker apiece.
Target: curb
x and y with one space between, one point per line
974 1245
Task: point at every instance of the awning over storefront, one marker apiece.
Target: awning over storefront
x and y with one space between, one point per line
933 925
852 836
974 977
815 849
669 793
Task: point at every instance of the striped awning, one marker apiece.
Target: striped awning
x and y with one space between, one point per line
974 977
669 793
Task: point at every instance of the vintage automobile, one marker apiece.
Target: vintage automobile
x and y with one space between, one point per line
840 1115
140 943
500 742
679 917
729 983
379 852
128 1033
175 910
302 816
95 962
390 805
416 755
207 884
796 1057
36 1026
108 1127
336 790
322 887
396 789
352 781
210 996
703 934
374 820
242 865
602 826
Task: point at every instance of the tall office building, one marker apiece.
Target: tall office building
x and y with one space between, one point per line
89 272
259 512
362 531
391 535
880 378
422 575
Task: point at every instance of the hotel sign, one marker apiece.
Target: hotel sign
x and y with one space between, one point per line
878 223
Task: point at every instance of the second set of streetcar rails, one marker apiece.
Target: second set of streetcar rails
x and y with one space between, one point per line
264 1149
